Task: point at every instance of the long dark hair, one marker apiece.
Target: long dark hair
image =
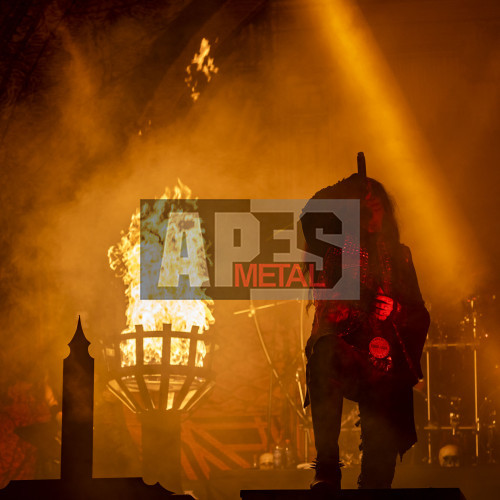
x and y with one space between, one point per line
357 187
390 226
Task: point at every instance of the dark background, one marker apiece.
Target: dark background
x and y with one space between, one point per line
95 115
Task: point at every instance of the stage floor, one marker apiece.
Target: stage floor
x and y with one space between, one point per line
477 483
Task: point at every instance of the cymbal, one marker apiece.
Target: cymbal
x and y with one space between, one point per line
445 345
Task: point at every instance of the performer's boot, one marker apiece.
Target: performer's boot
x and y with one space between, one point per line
326 398
380 450
377 469
327 477
326 408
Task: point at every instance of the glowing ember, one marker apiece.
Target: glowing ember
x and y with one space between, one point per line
200 63
127 349
152 314
179 347
152 350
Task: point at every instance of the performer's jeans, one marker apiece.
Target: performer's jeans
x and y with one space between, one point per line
331 376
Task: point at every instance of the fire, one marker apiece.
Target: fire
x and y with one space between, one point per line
201 62
152 314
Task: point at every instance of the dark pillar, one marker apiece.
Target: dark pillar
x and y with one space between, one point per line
77 410
161 448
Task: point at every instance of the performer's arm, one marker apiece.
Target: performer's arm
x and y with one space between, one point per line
410 314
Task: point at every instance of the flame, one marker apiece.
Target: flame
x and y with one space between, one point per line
201 62
124 258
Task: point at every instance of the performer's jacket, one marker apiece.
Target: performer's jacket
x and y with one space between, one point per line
382 271
384 355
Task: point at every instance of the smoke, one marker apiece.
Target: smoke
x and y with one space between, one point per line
79 154
279 120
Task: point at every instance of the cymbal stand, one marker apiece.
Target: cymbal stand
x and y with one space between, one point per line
429 440
475 339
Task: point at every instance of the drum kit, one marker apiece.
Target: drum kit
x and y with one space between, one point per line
457 405
463 386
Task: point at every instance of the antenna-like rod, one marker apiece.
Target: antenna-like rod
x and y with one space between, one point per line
361 165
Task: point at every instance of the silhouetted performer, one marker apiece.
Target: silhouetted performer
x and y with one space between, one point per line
366 350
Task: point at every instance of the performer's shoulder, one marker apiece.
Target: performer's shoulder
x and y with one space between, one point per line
326 193
405 252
